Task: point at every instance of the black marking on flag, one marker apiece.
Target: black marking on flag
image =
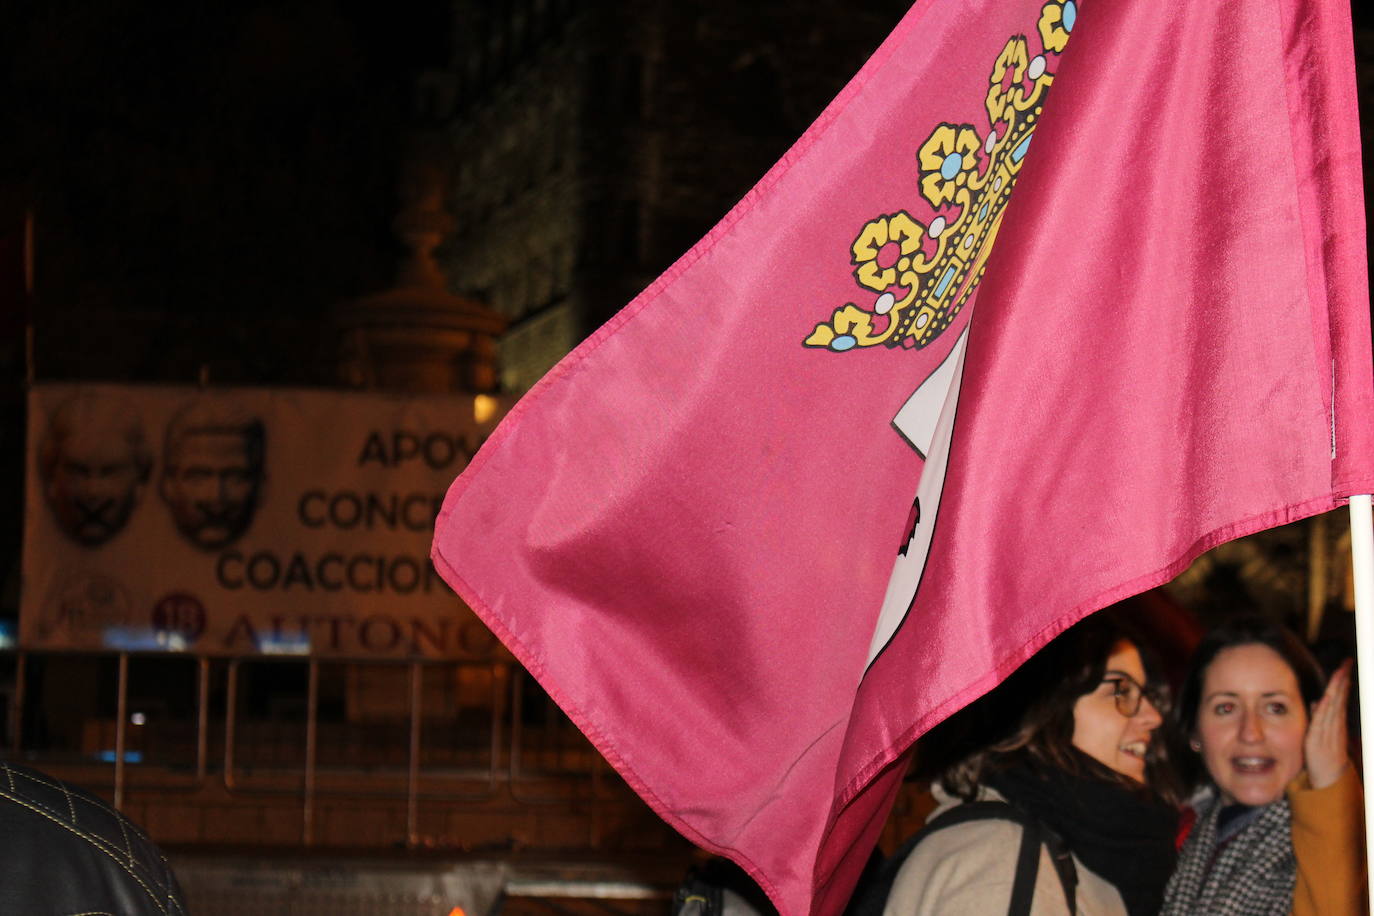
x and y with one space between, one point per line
912 520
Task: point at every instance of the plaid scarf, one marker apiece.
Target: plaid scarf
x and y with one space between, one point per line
1249 874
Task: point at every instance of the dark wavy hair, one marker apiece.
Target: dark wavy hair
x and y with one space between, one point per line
1028 718
1247 630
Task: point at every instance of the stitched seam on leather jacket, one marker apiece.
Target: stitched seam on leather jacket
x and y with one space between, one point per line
103 842
93 840
32 776
119 818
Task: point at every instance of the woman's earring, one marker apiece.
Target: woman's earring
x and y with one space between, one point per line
1195 744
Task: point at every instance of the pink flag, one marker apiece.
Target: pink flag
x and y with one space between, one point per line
687 530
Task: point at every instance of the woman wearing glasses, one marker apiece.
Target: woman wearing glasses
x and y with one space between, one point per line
1278 826
1074 769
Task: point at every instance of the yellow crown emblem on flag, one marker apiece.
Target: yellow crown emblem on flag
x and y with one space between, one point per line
921 274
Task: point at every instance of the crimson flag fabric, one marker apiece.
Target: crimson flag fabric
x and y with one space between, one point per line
1035 376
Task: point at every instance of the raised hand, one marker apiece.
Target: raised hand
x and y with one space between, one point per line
1325 748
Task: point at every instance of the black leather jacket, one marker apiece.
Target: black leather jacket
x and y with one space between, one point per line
67 852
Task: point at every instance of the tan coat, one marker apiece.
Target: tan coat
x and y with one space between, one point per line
1328 832
969 868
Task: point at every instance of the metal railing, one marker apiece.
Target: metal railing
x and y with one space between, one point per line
500 745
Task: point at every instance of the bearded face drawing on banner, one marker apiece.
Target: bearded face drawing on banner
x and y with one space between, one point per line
212 472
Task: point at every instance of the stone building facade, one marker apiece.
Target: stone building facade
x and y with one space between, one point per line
594 142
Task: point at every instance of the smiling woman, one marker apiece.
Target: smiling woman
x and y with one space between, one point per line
1278 829
1049 804
1113 724
1251 724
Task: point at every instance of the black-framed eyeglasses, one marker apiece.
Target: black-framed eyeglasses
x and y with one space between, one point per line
1128 693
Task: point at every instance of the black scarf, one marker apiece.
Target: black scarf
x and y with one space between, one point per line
1127 838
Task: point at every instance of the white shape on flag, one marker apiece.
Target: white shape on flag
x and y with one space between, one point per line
926 421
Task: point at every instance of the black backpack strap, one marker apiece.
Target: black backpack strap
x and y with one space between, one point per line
1034 835
972 811
1027 869
1062 859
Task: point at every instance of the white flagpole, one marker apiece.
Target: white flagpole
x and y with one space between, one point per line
1362 556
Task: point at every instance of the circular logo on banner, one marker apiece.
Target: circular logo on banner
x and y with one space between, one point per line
178 617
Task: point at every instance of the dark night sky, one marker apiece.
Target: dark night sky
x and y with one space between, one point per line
208 157
204 158
234 157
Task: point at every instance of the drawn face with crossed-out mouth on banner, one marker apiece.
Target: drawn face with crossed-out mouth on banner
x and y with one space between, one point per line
93 462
